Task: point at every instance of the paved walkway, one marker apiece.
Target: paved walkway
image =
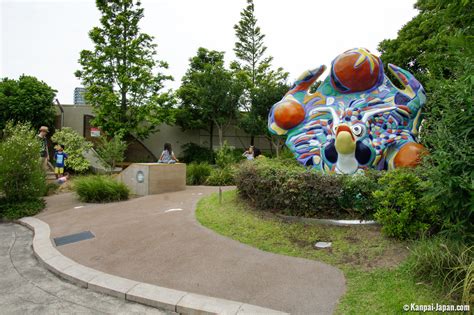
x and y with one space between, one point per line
28 288
156 239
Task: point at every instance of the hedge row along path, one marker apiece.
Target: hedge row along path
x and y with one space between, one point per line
142 240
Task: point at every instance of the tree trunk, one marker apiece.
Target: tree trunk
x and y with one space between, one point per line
211 128
252 140
221 136
271 145
277 144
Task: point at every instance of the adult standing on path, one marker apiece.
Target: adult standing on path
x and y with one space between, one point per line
44 153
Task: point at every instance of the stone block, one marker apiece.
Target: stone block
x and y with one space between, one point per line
154 178
80 275
195 304
155 296
112 285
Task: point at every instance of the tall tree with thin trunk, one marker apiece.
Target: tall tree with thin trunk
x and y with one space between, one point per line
121 75
255 70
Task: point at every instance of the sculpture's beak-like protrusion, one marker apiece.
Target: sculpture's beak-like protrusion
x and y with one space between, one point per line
345 140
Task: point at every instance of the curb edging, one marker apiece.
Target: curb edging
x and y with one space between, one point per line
151 295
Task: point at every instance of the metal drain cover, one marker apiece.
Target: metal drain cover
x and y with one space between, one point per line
73 238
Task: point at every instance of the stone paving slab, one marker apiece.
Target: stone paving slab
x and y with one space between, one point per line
26 287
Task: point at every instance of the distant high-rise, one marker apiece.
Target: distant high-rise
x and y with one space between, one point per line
79 96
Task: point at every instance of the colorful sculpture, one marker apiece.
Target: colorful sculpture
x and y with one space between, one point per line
356 119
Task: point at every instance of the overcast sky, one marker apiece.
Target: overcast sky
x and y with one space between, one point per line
44 38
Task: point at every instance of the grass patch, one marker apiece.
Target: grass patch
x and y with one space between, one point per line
377 282
100 189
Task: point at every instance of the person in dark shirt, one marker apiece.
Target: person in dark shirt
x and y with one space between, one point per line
44 154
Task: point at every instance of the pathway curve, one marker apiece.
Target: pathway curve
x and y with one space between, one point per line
156 239
28 288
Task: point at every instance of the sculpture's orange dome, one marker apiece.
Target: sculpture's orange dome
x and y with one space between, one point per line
288 114
356 70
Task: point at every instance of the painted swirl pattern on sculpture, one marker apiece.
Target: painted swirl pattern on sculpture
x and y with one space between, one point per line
356 119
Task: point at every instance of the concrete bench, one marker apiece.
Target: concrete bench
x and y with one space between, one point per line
154 178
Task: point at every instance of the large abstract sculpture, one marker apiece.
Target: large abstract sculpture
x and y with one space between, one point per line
356 119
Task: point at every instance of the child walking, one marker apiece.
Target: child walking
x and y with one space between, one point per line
60 156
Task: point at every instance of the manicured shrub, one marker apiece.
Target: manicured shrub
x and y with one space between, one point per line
75 145
357 193
193 152
197 173
21 175
290 189
446 263
100 189
20 209
221 177
402 207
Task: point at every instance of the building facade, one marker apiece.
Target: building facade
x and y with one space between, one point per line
79 96
79 117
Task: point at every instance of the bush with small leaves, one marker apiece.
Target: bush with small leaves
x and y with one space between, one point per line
21 175
75 145
20 209
402 207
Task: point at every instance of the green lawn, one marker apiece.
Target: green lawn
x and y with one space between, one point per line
377 282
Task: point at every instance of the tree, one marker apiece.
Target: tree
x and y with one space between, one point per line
255 71
270 90
437 46
26 100
120 75
209 93
111 151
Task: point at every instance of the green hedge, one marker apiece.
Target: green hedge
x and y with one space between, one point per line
398 199
275 185
403 205
100 189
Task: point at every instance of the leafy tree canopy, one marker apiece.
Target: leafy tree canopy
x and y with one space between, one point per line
26 100
121 74
209 92
437 46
